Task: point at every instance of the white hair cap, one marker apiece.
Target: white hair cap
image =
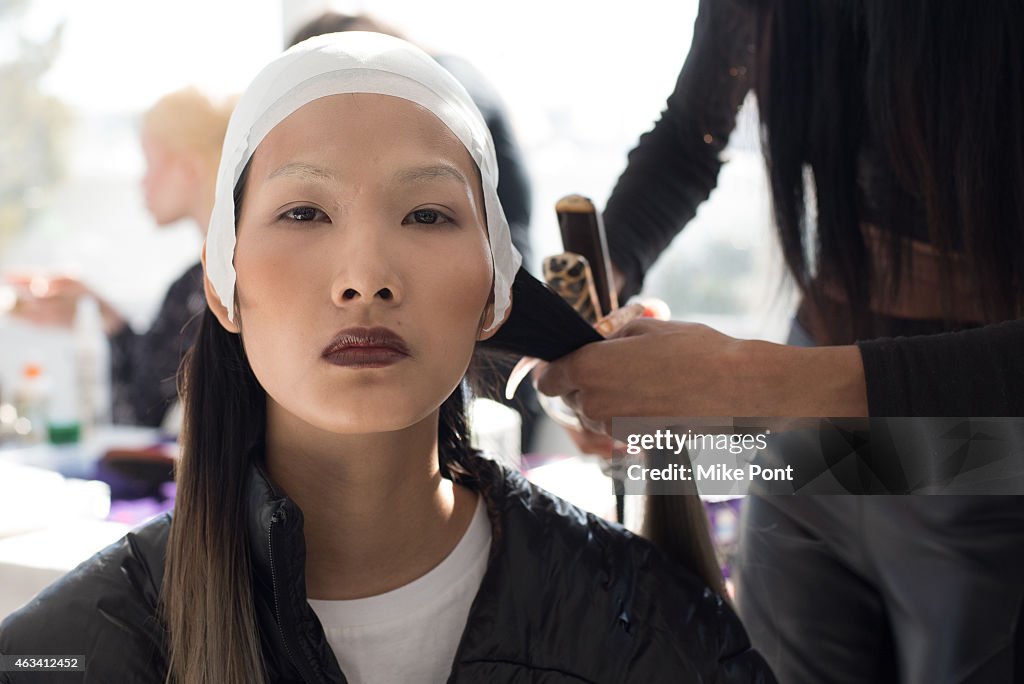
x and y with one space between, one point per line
353 62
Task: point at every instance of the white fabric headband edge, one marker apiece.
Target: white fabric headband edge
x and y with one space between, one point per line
221 238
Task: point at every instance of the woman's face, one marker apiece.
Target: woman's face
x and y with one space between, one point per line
361 211
169 184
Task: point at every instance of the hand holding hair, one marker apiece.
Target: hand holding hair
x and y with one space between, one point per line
673 368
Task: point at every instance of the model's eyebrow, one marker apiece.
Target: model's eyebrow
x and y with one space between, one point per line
416 174
302 171
419 174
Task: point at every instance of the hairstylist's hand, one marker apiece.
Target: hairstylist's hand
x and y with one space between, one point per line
593 442
52 301
670 368
588 438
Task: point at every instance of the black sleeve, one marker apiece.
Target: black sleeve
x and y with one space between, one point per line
104 610
977 372
144 367
674 167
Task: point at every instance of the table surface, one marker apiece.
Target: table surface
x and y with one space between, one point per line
53 512
79 459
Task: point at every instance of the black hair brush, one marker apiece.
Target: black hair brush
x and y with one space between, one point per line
540 324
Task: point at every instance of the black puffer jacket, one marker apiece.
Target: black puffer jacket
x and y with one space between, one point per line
624 612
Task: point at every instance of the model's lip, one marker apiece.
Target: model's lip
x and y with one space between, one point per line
366 339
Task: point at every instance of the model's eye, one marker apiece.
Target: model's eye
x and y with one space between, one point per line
426 216
303 214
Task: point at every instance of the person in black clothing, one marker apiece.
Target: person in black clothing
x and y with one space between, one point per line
911 269
513 181
181 139
326 486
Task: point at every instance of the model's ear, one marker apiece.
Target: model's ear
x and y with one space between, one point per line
488 318
213 301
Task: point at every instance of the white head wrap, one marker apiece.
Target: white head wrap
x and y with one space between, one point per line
353 62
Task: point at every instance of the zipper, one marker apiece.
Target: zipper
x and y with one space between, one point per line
273 581
304 668
307 676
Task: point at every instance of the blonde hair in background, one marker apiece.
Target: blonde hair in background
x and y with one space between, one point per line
189 120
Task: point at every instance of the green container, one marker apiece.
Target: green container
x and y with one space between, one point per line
64 432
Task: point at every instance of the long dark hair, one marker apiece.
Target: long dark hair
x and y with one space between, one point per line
931 95
206 601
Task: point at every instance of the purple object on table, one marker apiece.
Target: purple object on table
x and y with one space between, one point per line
724 519
137 511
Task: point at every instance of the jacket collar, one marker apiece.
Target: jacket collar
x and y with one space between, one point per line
278 556
296 648
272 515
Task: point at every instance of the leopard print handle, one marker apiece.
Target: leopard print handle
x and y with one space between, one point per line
570 276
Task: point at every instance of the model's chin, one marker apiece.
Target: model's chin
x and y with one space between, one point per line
370 415
160 220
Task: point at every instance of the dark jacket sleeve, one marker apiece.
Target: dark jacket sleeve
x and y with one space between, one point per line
710 627
143 367
674 167
104 611
513 181
568 592
977 372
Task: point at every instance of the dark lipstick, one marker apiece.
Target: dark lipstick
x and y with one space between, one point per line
359 347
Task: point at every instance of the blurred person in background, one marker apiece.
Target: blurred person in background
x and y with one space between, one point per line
894 141
513 181
181 138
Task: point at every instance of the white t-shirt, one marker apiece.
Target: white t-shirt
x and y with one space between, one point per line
410 634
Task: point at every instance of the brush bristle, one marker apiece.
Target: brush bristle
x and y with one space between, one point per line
541 324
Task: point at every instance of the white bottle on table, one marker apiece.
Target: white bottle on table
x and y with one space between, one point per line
31 402
92 365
